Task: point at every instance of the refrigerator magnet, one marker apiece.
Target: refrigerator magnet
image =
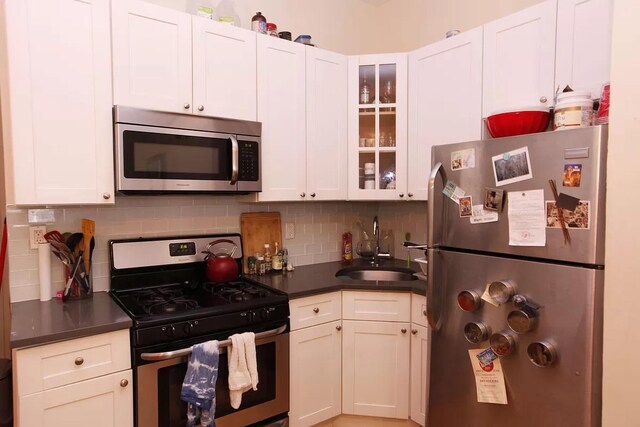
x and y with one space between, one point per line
465 205
463 159
572 175
512 166
580 218
490 385
452 191
493 199
481 215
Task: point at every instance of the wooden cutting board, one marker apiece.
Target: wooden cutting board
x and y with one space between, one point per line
258 228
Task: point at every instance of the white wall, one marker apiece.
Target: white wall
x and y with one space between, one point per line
622 289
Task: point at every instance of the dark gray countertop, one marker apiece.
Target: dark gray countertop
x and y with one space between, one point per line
319 278
35 322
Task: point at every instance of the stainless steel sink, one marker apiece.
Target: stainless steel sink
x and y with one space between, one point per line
389 274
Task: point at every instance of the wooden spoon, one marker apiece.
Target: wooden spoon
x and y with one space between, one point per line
88 229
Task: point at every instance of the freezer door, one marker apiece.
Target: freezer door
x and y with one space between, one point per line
566 393
550 153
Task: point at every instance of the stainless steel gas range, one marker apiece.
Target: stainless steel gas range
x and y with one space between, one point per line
160 283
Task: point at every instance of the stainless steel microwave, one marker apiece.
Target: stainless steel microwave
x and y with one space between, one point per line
161 152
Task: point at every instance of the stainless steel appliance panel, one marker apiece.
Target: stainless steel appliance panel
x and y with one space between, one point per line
570 317
549 153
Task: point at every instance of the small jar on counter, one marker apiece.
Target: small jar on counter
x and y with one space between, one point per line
261 267
251 265
272 29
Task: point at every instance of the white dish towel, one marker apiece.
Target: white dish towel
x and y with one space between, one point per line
243 367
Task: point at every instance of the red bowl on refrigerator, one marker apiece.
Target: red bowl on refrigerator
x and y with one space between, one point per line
521 122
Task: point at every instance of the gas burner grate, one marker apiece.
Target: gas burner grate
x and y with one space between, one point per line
164 300
237 291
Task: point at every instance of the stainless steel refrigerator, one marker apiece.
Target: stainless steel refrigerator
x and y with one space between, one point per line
520 288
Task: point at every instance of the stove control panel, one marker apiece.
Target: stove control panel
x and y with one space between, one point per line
182 249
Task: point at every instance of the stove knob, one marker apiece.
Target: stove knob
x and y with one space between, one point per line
266 313
188 327
250 316
169 330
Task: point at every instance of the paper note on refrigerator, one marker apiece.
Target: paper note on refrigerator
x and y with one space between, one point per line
490 386
527 219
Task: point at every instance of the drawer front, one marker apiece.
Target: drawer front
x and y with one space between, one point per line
314 310
54 365
384 306
419 309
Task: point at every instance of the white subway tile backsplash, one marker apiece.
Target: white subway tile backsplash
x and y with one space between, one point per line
318 229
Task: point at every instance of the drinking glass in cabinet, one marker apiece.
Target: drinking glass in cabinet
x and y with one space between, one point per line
366 170
367 126
388 127
367 86
387 83
387 170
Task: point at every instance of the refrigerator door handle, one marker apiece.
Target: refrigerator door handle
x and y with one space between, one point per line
432 226
432 317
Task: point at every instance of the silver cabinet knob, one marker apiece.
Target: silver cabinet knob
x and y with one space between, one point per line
124 383
79 361
313 194
410 194
543 99
403 330
316 310
338 328
401 195
303 194
200 107
187 106
414 331
106 196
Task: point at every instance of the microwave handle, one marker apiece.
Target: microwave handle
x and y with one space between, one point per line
234 160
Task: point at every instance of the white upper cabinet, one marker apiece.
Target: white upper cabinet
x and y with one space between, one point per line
326 125
377 127
519 57
445 101
281 109
151 56
583 49
224 70
56 102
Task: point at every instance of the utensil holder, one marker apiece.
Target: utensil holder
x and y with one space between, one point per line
82 284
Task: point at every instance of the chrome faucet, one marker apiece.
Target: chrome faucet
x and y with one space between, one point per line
377 254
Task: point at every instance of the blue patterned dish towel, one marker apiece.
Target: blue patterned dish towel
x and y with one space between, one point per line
199 385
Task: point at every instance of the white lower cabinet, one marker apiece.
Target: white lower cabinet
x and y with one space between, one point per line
419 385
316 357
85 381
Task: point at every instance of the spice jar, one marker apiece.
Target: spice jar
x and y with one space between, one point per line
259 23
272 29
261 266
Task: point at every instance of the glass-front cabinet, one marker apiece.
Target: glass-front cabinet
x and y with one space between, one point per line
378 127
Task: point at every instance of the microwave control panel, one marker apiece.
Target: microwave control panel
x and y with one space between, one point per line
249 161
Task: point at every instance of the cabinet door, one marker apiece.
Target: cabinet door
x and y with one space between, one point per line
105 401
378 127
56 102
445 101
326 125
419 373
224 70
316 358
151 56
281 109
519 56
583 46
375 368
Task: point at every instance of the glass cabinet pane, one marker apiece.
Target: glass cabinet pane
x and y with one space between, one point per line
367 126
387 127
387 170
367 86
367 171
387 83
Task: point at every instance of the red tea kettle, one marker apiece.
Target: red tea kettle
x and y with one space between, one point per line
221 267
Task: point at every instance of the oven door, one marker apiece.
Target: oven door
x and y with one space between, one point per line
164 159
159 384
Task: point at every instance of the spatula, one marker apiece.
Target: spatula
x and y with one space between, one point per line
88 228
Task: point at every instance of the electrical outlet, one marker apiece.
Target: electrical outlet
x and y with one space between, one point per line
289 230
36 235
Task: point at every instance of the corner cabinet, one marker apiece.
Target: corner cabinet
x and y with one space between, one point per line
445 101
519 59
168 60
378 127
56 102
74 382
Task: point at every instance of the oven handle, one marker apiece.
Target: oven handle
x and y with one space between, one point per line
234 160
165 355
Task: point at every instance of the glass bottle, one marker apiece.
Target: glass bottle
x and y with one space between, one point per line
259 23
267 257
261 266
276 259
365 92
